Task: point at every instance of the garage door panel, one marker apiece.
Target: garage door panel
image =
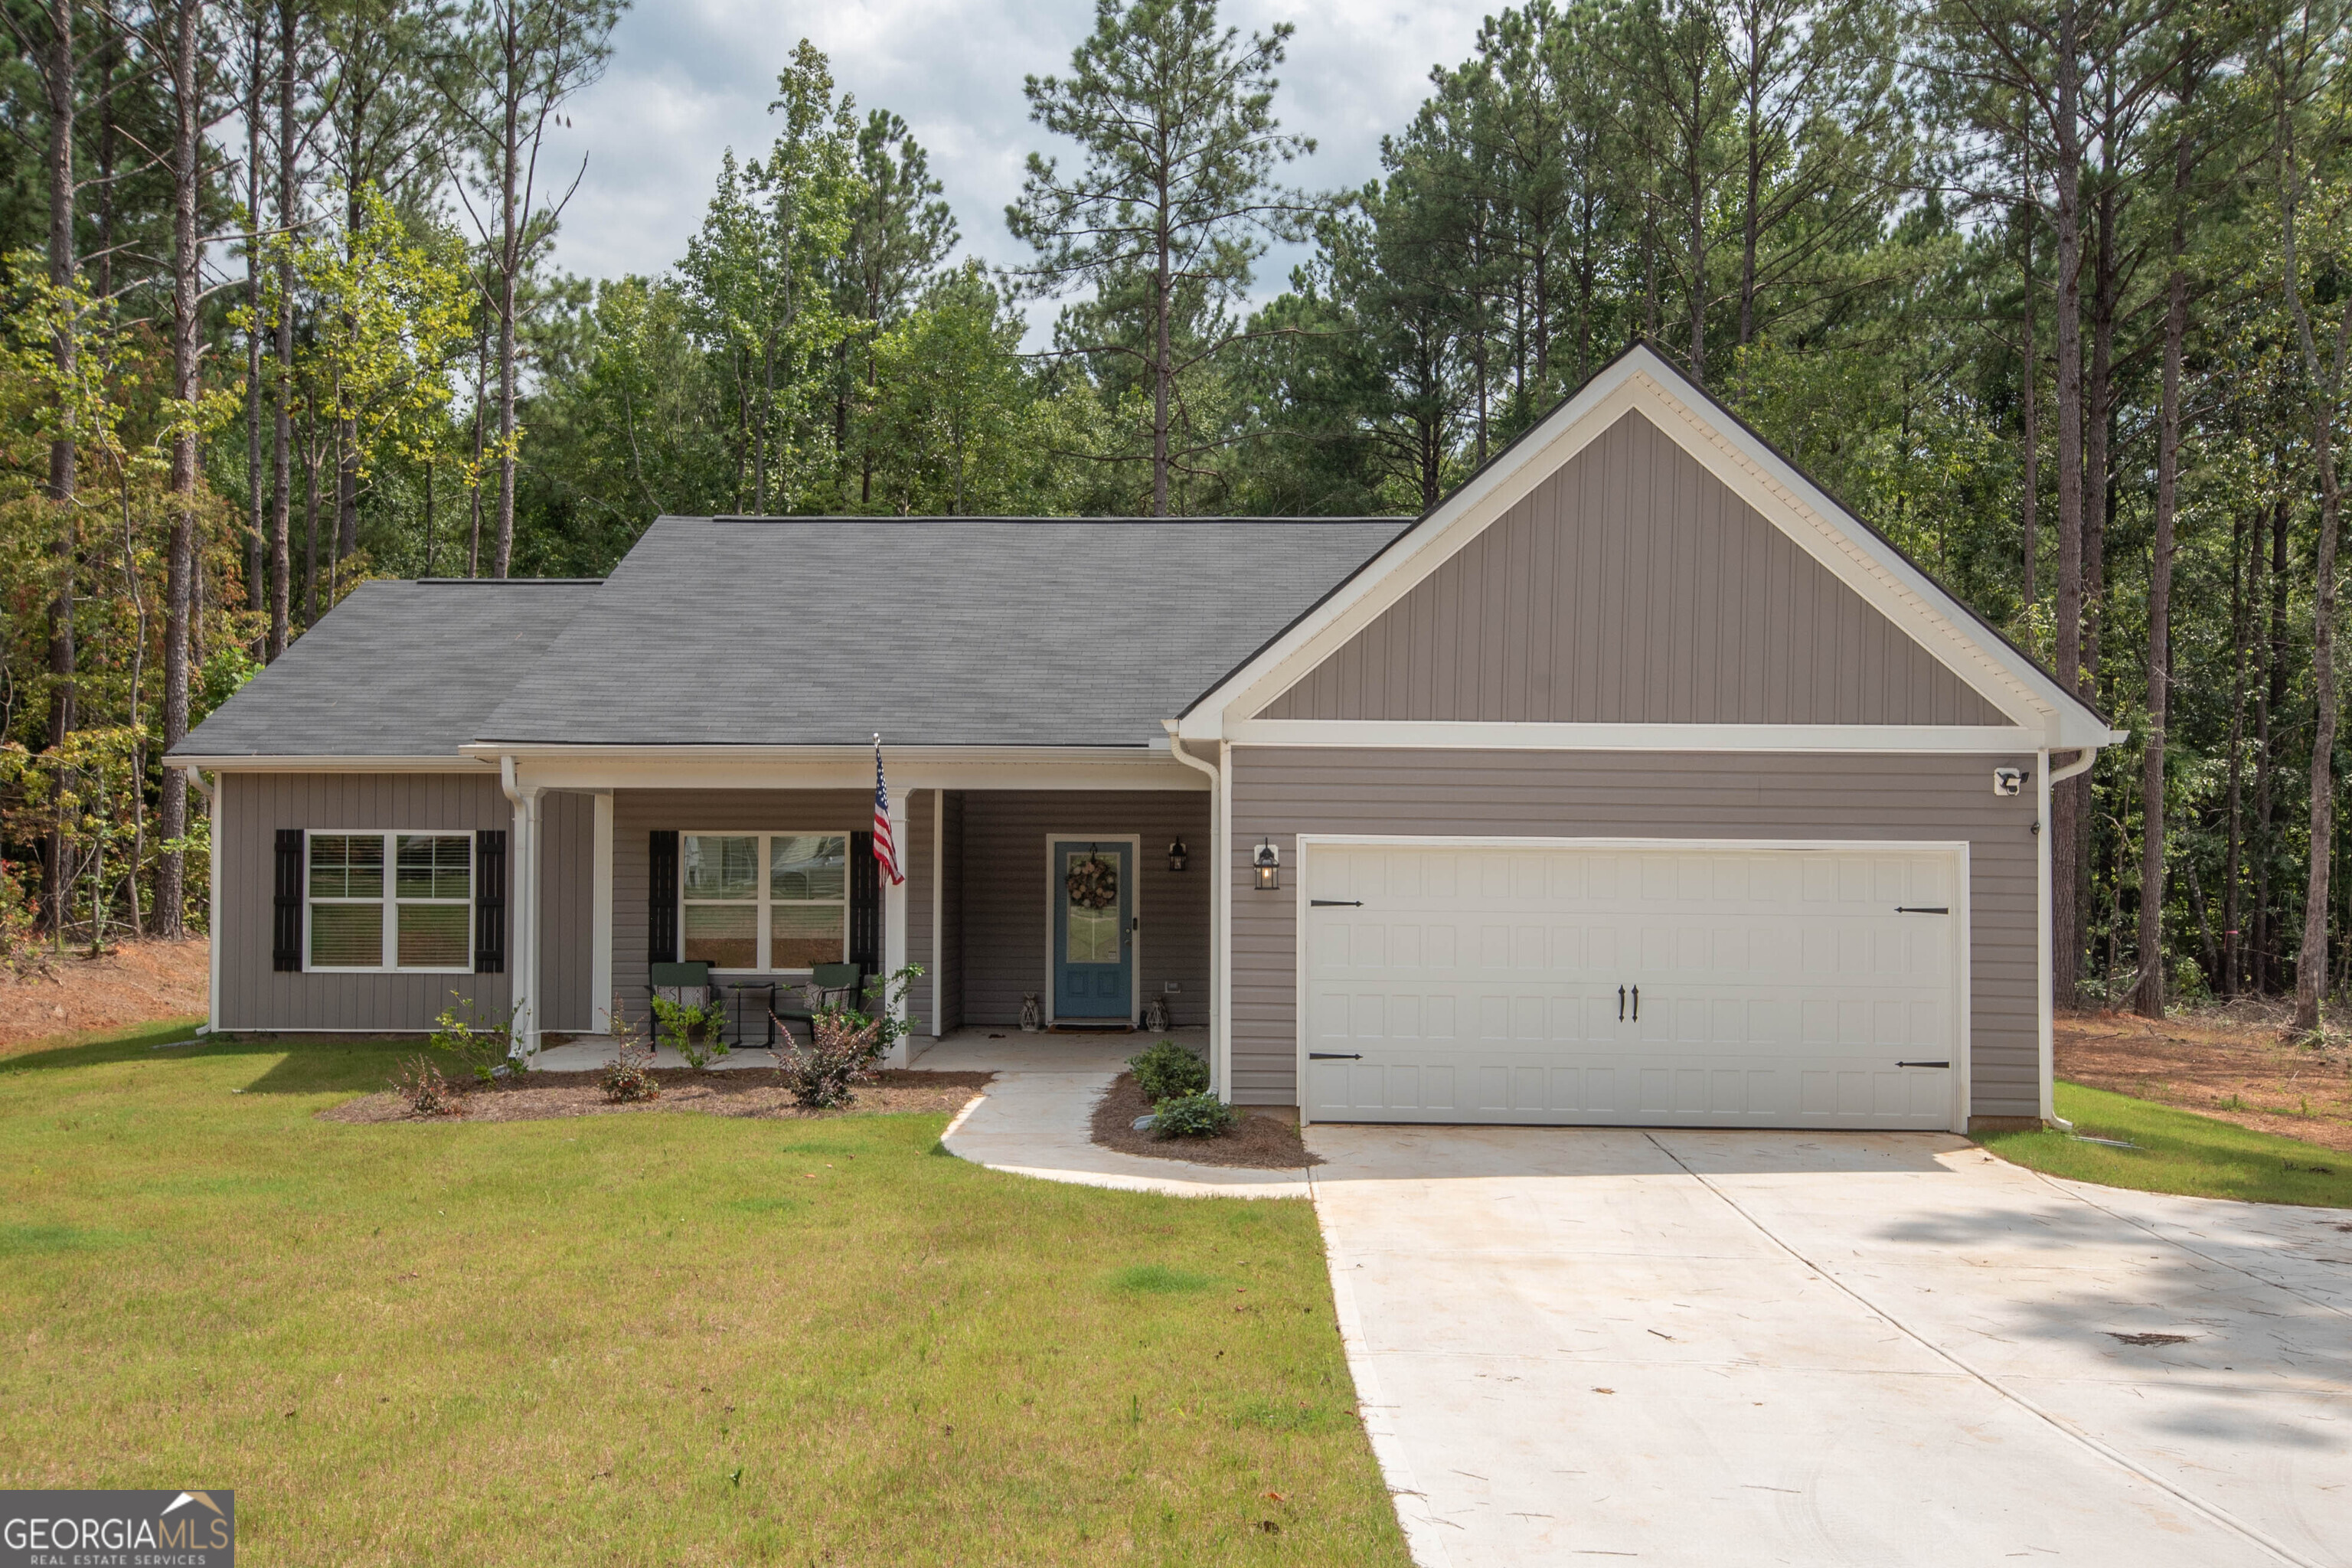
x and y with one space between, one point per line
1777 988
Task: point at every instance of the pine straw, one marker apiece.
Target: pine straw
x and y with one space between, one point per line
737 1092
2228 1064
1266 1139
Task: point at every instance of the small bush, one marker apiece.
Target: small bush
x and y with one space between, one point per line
1200 1115
420 1085
485 1048
694 1030
824 1075
628 1077
1167 1071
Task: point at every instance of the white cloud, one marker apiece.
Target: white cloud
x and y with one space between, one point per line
690 77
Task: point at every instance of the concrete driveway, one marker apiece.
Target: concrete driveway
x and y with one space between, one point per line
1730 1348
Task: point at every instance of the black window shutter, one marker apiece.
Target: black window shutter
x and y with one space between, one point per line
661 899
286 911
491 901
864 904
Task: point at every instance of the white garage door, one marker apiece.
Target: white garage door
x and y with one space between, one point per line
1669 987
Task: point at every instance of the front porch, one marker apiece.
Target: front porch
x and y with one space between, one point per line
968 1049
1068 902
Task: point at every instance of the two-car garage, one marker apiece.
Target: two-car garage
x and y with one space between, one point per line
1760 984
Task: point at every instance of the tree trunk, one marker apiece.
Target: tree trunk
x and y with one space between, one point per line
2149 997
2324 384
188 263
281 438
57 81
2233 946
257 574
2068 813
510 255
2029 421
1163 362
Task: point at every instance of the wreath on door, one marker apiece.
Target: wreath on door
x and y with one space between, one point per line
1093 882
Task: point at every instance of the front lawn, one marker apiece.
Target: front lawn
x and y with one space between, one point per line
662 1338
2178 1152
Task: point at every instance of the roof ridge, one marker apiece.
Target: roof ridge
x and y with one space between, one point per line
501 582
1124 522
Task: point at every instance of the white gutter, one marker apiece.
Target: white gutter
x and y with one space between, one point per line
1220 957
211 792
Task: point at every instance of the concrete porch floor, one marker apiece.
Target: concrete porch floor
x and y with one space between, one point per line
1005 1050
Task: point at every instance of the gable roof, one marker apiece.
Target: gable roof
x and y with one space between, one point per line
1640 380
962 631
398 669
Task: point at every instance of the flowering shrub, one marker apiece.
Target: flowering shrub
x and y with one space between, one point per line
824 1075
419 1083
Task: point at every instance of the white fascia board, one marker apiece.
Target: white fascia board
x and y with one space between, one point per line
851 767
297 765
1907 597
1937 739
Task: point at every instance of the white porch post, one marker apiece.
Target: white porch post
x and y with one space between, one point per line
894 917
522 906
599 921
1221 933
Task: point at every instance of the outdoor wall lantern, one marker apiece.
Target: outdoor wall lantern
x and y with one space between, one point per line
1269 867
1176 854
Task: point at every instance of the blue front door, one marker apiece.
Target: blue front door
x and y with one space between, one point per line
1094 930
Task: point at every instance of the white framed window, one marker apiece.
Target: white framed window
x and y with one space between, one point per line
763 902
380 902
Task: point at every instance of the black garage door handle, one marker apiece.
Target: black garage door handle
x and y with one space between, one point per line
1334 1055
1923 1064
1336 903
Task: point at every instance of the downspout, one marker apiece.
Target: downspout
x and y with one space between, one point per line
211 792
521 881
2043 941
1220 914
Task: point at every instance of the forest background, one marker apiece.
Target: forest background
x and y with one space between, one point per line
2059 298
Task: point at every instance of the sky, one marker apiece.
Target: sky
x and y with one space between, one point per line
688 79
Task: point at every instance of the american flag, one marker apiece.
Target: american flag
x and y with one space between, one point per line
885 850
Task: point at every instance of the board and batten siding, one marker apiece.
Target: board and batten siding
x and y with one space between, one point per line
1282 791
915 859
1633 586
638 814
1004 892
255 996
951 957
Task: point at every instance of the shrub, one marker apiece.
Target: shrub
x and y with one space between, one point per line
694 1030
419 1083
845 1044
628 1077
1200 1115
485 1048
1167 1071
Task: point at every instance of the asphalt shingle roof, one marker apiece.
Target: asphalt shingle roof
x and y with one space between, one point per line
397 669
733 631
718 631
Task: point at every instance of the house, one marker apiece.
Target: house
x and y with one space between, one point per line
1638 781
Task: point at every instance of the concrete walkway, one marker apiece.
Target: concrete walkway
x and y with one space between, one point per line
1036 1119
1730 1348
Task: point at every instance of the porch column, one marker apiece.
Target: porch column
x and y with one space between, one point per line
894 918
522 895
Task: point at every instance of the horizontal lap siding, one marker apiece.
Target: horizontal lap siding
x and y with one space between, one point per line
639 812
1004 892
254 807
1279 792
1633 586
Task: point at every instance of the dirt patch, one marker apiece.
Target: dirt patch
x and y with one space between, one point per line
133 983
1266 1139
2226 1063
740 1091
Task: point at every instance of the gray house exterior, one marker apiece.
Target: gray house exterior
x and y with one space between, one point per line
1637 783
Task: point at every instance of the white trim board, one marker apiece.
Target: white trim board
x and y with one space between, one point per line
1640 381
1408 735
1963 977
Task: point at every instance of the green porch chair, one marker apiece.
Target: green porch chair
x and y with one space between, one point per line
827 982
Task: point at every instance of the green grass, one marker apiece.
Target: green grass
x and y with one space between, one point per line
653 1338
2179 1153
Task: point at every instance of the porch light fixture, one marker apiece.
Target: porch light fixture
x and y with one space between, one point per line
1176 854
1269 867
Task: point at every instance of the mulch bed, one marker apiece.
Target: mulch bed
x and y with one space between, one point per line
738 1091
2230 1064
1266 1139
